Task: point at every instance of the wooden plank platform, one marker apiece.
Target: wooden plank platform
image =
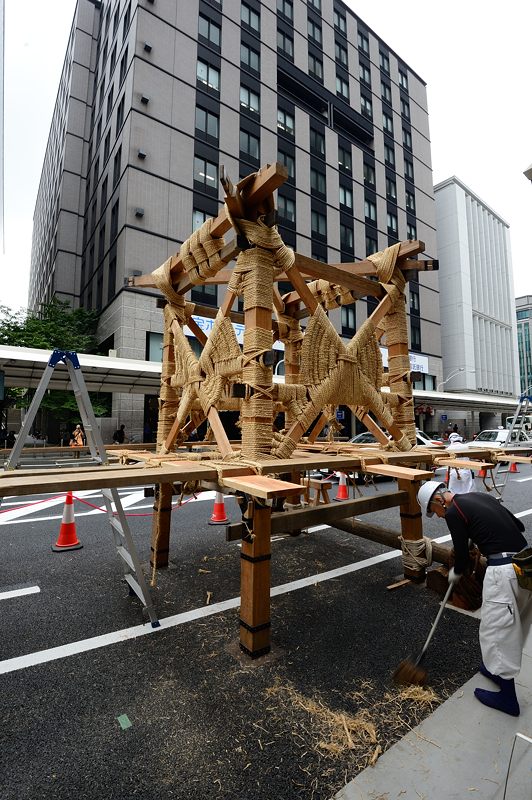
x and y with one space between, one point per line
394 471
264 487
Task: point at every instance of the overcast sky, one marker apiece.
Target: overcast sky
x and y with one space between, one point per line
474 56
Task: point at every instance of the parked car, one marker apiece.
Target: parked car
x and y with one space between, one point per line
496 437
421 439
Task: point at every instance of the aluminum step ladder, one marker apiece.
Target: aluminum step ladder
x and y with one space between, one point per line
125 545
513 435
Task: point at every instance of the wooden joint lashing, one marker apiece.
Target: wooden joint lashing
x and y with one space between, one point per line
255 628
256 559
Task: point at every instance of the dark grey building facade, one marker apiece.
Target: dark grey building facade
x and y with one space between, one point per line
156 95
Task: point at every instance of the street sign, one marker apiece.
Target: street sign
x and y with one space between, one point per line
443 417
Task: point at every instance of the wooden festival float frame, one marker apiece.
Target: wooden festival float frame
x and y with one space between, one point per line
266 467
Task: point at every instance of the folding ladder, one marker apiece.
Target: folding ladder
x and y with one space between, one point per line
513 435
125 546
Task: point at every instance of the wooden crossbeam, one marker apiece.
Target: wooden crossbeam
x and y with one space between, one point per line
263 486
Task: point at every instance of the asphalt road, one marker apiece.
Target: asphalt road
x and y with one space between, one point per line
178 712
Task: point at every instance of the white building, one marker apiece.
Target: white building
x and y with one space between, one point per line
477 306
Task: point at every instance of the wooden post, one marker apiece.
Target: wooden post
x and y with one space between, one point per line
255 559
411 524
162 519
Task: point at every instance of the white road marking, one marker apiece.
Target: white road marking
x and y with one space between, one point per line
19 592
16 513
521 480
106 639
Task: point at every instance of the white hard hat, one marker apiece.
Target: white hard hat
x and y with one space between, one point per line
455 437
426 493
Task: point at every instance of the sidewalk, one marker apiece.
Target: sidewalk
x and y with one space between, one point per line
461 751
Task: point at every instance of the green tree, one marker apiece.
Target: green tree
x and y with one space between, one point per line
56 326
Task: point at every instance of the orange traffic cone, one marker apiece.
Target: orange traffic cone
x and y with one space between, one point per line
67 539
513 467
219 517
482 473
342 488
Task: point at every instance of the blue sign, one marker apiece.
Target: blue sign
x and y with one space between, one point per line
443 417
340 414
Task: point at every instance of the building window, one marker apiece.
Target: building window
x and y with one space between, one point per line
117 164
340 53
342 88
249 59
107 146
102 93
198 218
317 143
387 123
340 22
386 92
345 161
208 76
103 202
405 108
286 209
285 44
415 334
384 62
391 189
346 237
206 293
366 106
315 67
209 31
414 301
205 174
116 20
111 279
207 124
409 169
411 231
285 122
392 223
314 31
249 101
349 320
114 221
120 115
249 18
389 156
112 61
286 9
364 74
109 103
371 245
123 67
410 202
316 4
346 197
403 80
127 20
318 224
370 211
363 42
407 139
369 175
318 182
289 162
249 145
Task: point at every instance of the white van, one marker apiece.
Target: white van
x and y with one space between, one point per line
527 422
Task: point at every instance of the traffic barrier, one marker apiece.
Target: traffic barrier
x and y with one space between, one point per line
219 517
342 488
67 539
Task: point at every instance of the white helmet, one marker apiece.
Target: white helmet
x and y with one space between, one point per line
426 493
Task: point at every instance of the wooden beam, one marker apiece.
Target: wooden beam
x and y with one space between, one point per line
329 514
266 181
341 274
411 524
262 486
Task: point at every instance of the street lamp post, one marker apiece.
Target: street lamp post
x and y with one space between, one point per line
448 378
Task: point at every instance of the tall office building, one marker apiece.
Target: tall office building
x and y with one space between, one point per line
479 338
155 96
523 307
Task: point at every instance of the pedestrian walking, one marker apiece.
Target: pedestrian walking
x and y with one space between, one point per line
506 607
459 480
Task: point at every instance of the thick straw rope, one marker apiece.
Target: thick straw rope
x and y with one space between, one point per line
417 553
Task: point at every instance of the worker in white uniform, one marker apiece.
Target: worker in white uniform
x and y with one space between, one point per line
506 606
459 479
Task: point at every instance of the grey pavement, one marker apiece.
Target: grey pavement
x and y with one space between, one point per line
462 750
